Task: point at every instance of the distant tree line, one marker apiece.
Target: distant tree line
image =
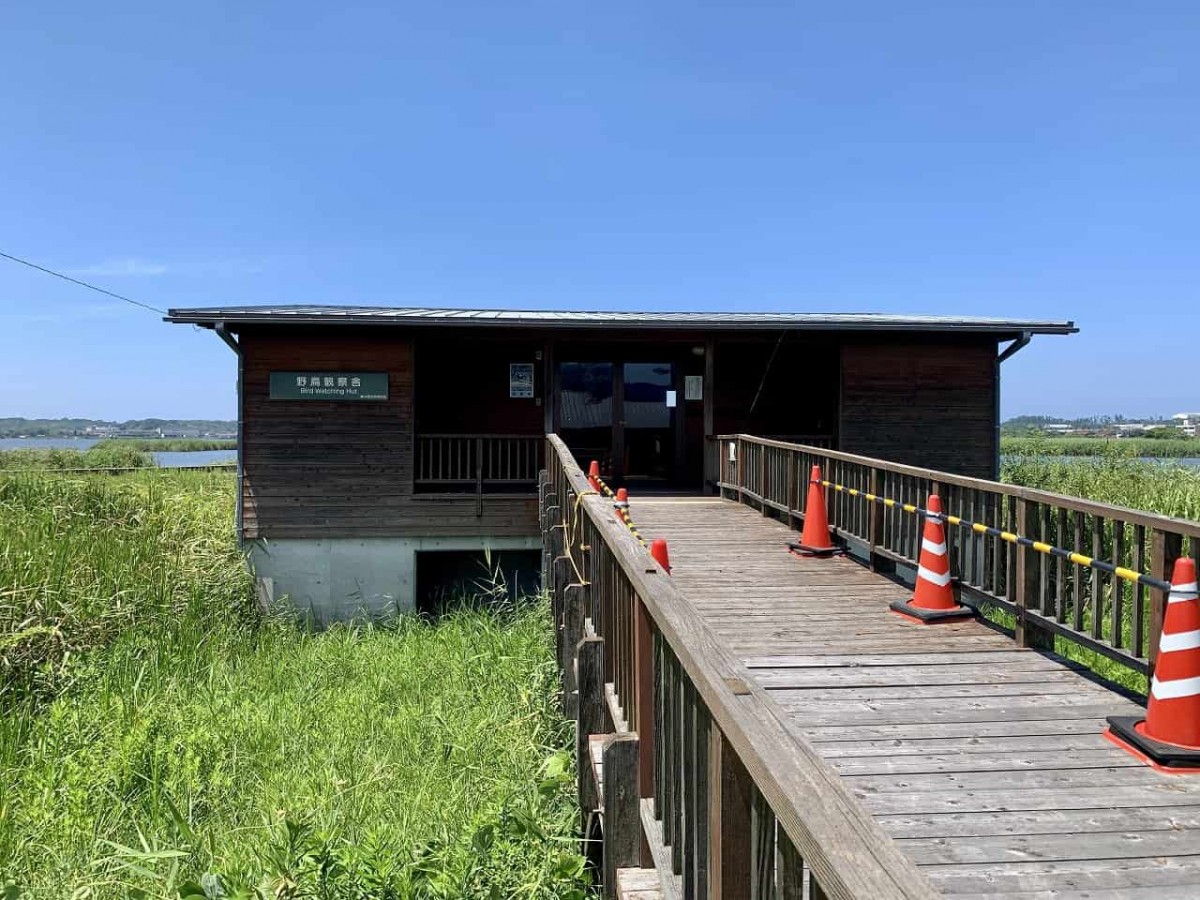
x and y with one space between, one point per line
63 428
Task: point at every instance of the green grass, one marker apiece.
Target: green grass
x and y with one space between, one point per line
160 736
167 445
1159 448
98 457
1117 478
1113 477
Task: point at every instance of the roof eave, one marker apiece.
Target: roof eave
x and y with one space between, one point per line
1003 330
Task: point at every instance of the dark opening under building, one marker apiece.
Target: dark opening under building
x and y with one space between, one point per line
371 436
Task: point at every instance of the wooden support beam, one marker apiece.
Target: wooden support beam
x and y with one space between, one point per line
730 789
1165 548
622 817
762 849
1028 584
643 638
789 868
575 605
591 714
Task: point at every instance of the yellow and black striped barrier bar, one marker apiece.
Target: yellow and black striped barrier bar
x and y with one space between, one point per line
979 528
622 514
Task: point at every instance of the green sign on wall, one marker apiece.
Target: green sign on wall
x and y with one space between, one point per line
329 386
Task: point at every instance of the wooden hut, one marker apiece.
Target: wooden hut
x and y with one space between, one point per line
372 439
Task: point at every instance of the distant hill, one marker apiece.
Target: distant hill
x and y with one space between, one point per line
100 428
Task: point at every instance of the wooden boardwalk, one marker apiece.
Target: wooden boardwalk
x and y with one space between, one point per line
984 762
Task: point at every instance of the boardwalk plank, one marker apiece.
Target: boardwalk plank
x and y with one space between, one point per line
984 761
1049 821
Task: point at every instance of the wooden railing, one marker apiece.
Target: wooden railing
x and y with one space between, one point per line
449 460
1048 596
715 446
680 752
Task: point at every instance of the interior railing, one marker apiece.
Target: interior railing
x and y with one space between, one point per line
484 461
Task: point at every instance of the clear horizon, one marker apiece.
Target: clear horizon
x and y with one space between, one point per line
1025 161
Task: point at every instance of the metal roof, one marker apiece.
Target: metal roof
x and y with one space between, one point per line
703 321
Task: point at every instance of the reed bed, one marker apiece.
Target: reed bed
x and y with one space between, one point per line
97 457
166 445
1160 448
161 738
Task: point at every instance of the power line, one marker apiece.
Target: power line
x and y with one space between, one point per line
92 287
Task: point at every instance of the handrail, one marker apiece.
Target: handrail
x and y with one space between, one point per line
1132 516
695 680
1052 596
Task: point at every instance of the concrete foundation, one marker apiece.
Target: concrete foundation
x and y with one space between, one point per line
345 578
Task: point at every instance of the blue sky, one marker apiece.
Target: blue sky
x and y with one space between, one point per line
1023 159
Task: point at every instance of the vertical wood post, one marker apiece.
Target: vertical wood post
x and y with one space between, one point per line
789 868
762 849
739 451
559 579
1165 548
575 605
712 449
478 477
730 790
791 486
590 712
1028 634
645 705
762 476
622 818
875 529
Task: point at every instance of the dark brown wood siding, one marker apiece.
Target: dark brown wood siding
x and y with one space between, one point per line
340 469
921 401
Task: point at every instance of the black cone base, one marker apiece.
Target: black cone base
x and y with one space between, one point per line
931 615
1164 754
804 550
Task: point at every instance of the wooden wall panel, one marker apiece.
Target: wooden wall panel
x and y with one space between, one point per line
341 469
921 401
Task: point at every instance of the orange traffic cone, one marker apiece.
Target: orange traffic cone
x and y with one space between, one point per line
933 599
594 476
658 549
621 503
1169 737
815 539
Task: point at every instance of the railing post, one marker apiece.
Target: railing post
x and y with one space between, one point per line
762 849
730 792
762 477
575 605
1165 548
789 868
478 477
875 529
643 661
741 469
1027 633
791 485
590 711
622 815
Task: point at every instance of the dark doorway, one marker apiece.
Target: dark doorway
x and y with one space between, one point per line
587 391
647 415
624 415
450 579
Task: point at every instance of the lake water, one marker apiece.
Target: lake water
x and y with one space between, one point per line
172 460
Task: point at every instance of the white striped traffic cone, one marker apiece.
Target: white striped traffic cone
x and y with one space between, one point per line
933 600
1169 736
